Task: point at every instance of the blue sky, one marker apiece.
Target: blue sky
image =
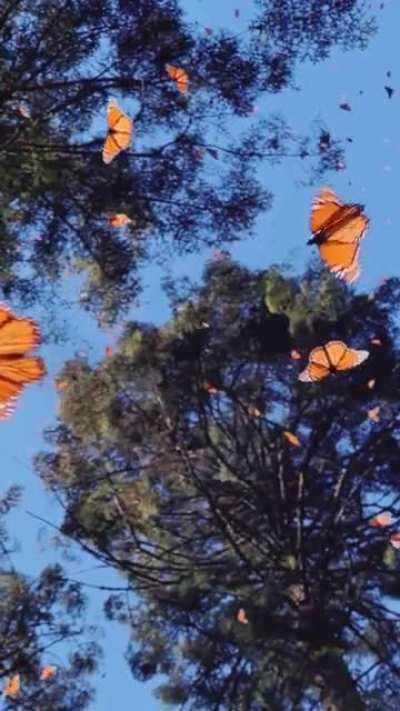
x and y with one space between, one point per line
372 168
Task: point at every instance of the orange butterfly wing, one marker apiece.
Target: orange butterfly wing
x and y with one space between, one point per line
340 258
325 206
292 438
381 521
120 129
318 366
119 219
17 337
344 358
179 76
47 672
12 687
242 617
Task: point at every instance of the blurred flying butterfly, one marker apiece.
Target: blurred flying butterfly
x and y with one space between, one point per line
47 672
292 438
119 135
13 686
333 357
381 520
17 337
119 219
179 76
337 230
389 91
242 617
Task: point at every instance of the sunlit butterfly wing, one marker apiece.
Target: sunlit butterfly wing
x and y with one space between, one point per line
349 228
119 219
179 76
17 337
119 134
13 686
318 366
292 438
350 358
47 672
381 520
325 206
242 617
341 259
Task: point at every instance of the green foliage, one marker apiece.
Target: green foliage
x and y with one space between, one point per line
182 182
206 508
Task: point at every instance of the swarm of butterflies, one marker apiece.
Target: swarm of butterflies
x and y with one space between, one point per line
337 230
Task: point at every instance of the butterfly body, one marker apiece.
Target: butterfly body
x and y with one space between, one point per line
337 230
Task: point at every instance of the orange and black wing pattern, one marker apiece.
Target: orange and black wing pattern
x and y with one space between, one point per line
179 76
338 230
18 336
120 130
333 357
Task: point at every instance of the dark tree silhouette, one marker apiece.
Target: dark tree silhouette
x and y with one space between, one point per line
173 466
292 31
42 624
188 180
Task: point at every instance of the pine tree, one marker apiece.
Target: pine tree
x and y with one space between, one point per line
260 579
188 180
42 626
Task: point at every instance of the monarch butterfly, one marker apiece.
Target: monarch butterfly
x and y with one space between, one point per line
330 358
381 520
47 672
338 230
13 686
17 337
179 76
119 219
242 617
119 134
292 438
